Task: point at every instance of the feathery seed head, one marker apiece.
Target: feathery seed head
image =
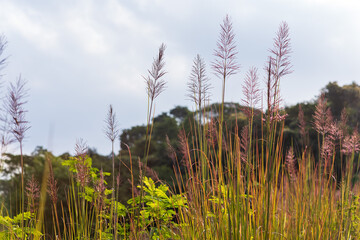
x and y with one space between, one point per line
52 187
251 91
279 65
118 179
302 124
290 163
225 63
322 116
244 143
342 125
184 147
154 82
111 129
33 193
82 168
328 150
100 190
15 101
170 149
198 86
212 133
280 59
351 143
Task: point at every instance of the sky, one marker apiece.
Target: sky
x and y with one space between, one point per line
78 57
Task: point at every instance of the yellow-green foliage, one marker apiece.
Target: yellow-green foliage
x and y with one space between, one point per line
11 227
157 211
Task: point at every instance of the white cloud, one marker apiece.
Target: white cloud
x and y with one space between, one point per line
88 37
28 23
334 3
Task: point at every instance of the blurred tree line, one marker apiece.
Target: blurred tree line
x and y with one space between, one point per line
167 126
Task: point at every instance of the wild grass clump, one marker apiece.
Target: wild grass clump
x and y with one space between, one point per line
230 184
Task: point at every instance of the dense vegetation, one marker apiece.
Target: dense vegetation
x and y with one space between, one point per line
224 171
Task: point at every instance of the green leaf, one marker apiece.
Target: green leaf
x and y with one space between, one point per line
89 190
108 192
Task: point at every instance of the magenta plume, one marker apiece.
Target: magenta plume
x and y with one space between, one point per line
212 133
51 183
154 82
290 163
118 180
112 132
170 150
342 125
111 129
343 117
198 85
328 150
224 66
302 124
333 130
251 91
184 148
33 194
52 187
100 190
17 93
272 101
14 105
351 144
279 65
321 116
244 143
280 59
82 168
225 63
81 148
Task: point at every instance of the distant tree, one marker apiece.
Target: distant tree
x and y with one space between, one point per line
164 125
347 97
180 113
336 97
132 136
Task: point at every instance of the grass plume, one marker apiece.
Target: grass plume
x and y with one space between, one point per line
15 106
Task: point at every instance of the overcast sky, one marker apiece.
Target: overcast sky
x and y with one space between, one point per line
80 56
